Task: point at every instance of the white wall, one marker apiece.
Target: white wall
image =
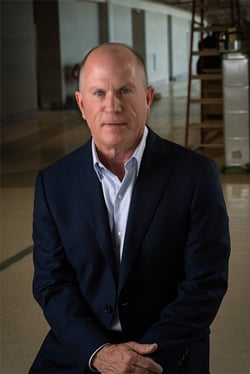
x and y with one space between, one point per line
157 49
79 32
122 24
180 43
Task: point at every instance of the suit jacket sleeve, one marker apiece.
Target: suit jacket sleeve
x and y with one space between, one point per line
206 253
56 288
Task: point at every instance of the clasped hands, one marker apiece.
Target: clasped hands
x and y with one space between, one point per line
125 358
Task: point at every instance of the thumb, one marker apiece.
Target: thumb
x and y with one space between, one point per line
143 349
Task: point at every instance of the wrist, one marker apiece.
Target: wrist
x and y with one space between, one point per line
93 361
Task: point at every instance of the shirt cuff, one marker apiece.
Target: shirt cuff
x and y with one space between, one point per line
92 356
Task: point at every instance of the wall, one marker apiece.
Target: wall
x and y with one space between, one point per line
157 49
18 73
180 43
138 31
79 32
122 24
48 54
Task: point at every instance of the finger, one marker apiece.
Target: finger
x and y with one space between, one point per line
142 349
147 365
124 358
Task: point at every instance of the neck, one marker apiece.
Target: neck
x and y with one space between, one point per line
115 160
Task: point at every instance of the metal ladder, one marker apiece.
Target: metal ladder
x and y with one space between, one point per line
208 78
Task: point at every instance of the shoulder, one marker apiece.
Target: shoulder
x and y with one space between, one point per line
178 154
72 160
61 174
186 166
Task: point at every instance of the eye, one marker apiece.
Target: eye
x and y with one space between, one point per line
124 91
99 93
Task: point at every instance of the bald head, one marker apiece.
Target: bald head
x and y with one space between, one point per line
117 50
114 98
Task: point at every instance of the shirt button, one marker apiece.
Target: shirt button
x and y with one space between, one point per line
120 196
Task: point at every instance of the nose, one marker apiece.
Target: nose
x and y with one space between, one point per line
112 103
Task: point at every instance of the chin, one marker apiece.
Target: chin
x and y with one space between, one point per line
115 140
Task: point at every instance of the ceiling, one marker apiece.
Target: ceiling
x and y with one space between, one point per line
217 12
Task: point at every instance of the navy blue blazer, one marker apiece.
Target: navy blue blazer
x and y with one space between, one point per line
174 268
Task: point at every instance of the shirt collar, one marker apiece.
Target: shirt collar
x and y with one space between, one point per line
137 155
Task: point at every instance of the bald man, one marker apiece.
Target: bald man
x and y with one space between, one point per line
131 238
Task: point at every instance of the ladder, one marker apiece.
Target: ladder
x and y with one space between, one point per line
205 91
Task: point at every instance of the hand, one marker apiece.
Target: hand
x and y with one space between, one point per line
125 358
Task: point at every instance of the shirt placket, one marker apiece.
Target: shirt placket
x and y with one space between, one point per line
119 209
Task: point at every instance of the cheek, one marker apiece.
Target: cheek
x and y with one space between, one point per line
142 109
89 109
92 116
136 107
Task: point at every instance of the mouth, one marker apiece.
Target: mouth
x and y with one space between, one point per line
114 124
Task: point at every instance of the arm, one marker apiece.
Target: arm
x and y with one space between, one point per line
188 317
56 288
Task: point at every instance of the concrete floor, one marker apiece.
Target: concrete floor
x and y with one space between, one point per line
27 146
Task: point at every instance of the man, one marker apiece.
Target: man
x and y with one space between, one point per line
131 237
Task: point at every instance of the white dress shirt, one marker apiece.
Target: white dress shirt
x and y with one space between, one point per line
117 195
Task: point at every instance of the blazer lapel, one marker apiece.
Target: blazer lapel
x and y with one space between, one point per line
91 198
155 172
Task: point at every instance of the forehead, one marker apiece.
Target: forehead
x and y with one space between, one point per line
112 53
111 64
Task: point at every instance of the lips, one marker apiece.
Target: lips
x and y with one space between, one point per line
114 124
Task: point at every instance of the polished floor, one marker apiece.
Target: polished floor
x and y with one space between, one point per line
30 144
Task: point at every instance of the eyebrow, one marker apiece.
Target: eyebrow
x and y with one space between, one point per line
128 84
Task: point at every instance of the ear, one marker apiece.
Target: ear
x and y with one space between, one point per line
79 101
150 95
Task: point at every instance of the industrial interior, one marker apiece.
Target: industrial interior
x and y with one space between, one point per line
197 54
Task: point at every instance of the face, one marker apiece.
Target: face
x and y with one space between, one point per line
114 99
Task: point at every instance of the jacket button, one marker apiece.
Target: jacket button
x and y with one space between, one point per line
108 309
125 303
